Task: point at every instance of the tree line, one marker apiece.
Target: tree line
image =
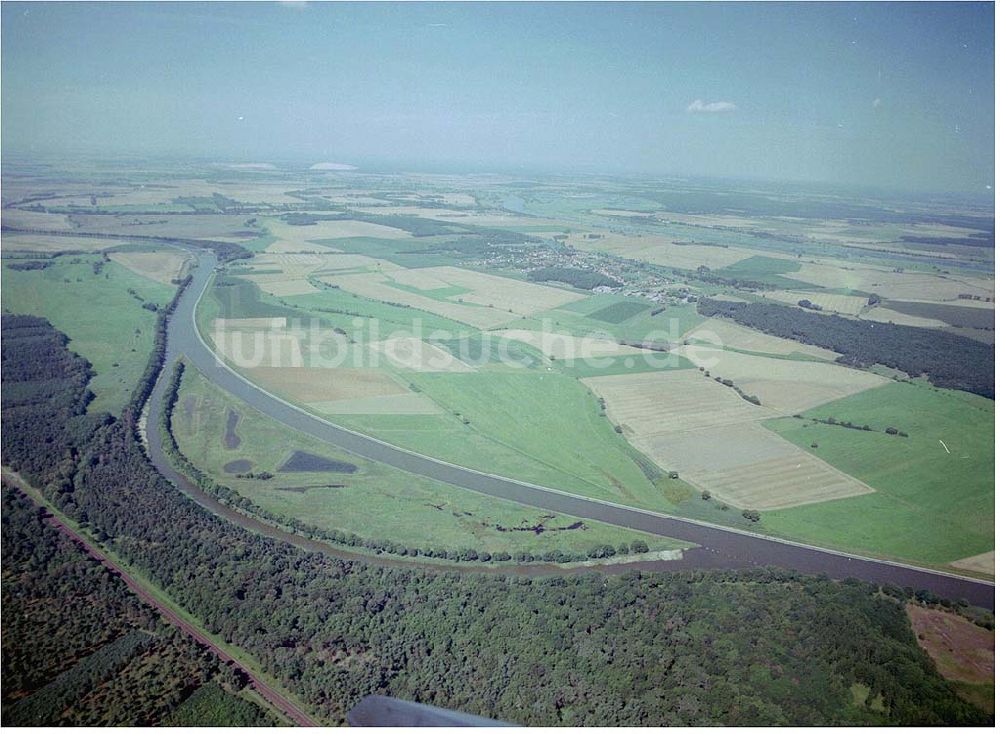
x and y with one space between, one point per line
948 360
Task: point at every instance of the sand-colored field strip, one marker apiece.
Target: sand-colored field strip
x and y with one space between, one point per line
485 301
248 348
983 563
316 384
282 287
563 346
967 302
890 285
650 403
689 423
11 242
786 386
661 250
620 213
20 219
887 315
163 267
747 465
829 302
407 404
267 323
288 274
414 354
352 228
731 335
333 230
300 247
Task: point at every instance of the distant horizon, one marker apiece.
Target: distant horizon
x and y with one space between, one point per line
300 164
895 95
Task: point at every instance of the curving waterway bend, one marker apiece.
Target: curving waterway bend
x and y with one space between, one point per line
719 547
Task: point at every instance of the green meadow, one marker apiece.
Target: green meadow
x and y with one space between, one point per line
934 499
105 322
375 501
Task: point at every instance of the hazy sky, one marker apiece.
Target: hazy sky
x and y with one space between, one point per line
886 94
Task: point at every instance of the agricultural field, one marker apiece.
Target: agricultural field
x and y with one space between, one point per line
163 266
891 285
480 300
660 250
829 302
409 314
687 422
99 305
729 335
786 386
334 490
541 427
934 493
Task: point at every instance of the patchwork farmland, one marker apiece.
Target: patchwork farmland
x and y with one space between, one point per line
687 422
481 300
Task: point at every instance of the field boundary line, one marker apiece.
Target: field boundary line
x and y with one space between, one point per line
551 490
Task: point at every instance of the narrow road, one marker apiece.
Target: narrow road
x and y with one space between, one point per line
719 547
279 701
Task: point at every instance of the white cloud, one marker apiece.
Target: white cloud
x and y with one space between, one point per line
877 102
699 106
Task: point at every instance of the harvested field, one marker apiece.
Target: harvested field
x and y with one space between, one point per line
620 213
786 386
689 423
164 266
351 228
887 315
238 466
20 219
983 563
228 228
301 461
313 385
287 274
54 243
484 301
650 403
830 302
283 286
961 650
563 346
406 404
414 354
731 335
894 286
661 250
332 230
255 347
748 466
282 246
267 323
954 315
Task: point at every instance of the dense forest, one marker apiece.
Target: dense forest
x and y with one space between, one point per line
700 647
80 649
948 360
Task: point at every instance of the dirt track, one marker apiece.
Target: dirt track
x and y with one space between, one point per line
294 713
